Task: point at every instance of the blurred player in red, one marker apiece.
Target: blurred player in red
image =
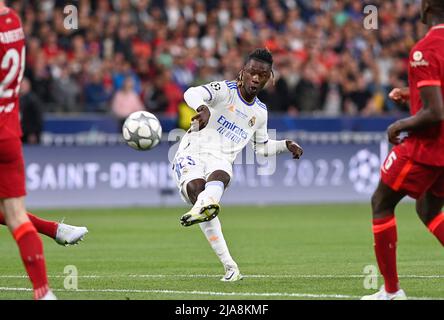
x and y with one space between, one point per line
12 172
12 64
415 166
12 175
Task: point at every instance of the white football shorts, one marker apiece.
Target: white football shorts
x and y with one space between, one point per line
187 167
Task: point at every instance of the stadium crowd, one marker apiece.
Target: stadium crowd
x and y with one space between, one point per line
127 55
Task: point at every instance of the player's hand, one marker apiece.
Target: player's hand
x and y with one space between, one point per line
394 131
200 120
294 148
400 95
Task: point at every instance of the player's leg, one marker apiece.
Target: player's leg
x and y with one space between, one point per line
210 190
48 228
194 188
214 188
30 245
189 173
429 209
12 170
217 175
213 232
12 192
391 189
63 234
217 181
400 176
384 201
192 182
205 196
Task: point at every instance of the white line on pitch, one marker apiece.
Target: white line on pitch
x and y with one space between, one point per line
213 293
205 293
283 276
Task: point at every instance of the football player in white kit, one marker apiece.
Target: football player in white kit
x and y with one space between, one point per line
229 116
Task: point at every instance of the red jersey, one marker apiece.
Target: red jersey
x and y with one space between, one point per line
12 67
426 68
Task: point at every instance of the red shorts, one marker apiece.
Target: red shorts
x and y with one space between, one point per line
403 174
12 169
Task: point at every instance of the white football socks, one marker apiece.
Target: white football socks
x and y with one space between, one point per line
213 232
212 193
212 229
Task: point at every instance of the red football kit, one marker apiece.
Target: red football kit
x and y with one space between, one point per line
417 164
12 67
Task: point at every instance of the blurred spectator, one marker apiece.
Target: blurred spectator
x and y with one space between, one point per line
124 71
155 97
126 101
307 93
326 61
31 114
276 95
173 93
41 81
97 94
358 98
183 72
66 90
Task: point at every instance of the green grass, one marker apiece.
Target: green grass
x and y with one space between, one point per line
297 248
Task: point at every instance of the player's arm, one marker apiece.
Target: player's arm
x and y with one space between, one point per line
431 113
273 147
201 99
266 147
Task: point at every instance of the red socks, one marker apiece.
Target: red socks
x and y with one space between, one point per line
31 251
48 228
436 226
384 231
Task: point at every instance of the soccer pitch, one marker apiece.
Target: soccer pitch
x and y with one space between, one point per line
284 252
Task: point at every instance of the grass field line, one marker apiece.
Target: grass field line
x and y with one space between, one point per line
214 293
195 292
259 276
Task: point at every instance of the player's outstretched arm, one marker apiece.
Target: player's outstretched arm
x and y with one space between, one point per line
273 147
431 113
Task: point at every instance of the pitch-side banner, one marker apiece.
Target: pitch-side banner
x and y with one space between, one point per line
111 176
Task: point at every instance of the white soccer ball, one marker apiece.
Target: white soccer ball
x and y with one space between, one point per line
142 130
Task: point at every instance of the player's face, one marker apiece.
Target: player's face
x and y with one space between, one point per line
255 75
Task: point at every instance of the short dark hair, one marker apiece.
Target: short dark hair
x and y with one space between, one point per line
261 54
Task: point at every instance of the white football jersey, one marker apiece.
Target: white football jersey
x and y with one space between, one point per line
233 123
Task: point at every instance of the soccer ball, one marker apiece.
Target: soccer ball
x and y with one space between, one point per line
142 130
